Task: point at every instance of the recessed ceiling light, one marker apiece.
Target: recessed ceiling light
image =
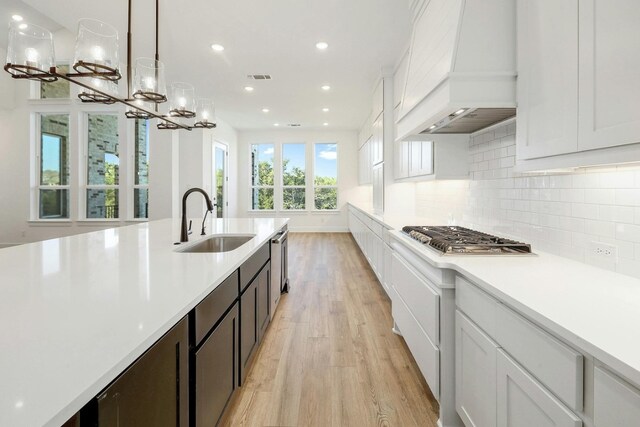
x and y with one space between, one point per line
217 47
460 111
326 87
248 88
325 124
325 109
16 18
276 124
23 26
322 45
265 110
432 127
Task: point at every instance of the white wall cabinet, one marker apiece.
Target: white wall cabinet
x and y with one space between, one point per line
401 159
377 141
364 164
440 157
476 356
609 73
421 158
523 402
547 78
378 188
578 83
616 403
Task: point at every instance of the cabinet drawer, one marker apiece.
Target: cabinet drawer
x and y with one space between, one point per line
211 309
418 296
616 404
477 305
522 401
425 353
556 365
377 229
252 266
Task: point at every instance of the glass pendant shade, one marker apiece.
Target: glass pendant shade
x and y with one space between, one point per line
205 114
148 81
104 88
96 53
182 100
30 52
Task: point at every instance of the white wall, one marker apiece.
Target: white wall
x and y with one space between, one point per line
348 189
557 213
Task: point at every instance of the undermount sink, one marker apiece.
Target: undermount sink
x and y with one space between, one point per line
218 243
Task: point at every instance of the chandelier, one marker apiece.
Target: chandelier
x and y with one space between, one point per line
96 69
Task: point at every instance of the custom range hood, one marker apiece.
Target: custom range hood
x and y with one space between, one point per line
460 69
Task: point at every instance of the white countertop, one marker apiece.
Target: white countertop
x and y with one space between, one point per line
76 311
595 309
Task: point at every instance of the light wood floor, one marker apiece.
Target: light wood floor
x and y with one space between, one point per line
329 357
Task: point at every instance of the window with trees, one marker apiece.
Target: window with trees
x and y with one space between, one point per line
53 171
294 176
103 164
325 182
262 176
141 170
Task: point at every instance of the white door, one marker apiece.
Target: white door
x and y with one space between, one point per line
609 73
220 179
547 78
476 359
523 402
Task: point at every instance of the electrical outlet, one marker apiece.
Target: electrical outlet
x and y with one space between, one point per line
602 254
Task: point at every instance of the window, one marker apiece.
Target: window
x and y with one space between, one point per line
141 170
262 176
293 177
325 182
103 166
53 171
58 89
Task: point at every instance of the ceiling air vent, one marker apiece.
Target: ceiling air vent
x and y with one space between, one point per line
294 125
259 76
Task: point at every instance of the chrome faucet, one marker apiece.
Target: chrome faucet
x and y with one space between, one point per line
184 234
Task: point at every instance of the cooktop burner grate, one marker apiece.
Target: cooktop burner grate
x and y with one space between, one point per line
460 240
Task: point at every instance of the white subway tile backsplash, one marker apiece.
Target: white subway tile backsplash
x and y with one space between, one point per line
599 196
628 232
559 213
627 197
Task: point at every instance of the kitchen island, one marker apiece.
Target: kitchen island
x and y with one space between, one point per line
77 311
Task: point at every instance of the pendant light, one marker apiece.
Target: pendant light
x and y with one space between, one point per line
205 114
182 101
96 69
96 51
30 53
148 81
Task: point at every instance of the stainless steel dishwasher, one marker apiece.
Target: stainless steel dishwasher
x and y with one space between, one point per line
279 268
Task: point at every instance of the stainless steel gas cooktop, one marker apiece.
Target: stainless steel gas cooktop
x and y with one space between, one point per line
453 240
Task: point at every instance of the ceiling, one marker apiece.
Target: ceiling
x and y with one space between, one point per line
275 37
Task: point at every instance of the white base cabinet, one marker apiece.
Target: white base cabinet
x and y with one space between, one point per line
616 403
476 356
369 235
523 402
